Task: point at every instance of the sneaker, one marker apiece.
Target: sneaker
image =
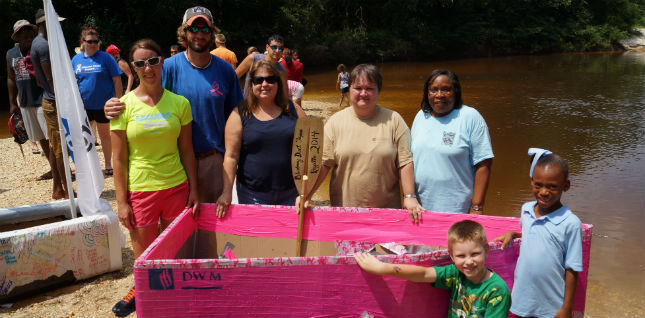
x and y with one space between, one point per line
125 306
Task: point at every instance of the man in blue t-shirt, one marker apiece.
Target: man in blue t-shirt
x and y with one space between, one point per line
212 88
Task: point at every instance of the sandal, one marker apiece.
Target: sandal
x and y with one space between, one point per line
45 176
108 171
35 151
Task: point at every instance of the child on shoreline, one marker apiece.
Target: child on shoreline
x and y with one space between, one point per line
342 84
476 291
550 258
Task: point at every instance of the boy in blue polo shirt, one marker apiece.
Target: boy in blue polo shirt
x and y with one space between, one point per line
550 258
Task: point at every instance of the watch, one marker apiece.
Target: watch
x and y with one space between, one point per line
477 207
405 196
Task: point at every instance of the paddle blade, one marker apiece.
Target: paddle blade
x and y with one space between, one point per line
306 152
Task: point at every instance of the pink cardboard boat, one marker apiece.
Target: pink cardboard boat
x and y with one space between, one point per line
244 265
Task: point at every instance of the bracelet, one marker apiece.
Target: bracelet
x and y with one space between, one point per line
405 196
477 207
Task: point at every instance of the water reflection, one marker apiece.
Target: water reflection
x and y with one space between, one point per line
589 108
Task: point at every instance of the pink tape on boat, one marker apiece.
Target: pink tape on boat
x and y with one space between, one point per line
318 286
354 224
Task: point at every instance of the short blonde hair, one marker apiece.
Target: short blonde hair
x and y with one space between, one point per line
466 230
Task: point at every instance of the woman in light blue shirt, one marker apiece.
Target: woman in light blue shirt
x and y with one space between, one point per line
451 149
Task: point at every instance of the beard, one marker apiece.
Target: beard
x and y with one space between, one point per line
197 48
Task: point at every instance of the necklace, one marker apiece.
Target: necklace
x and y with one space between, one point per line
200 67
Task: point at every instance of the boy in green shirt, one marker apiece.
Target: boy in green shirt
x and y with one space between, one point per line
476 291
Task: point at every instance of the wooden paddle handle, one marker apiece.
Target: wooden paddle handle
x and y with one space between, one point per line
301 217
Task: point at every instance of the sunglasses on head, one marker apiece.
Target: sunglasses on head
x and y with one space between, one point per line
91 41
152 62
257 80
194 29
277 48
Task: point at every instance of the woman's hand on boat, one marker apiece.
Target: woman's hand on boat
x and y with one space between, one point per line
298 204
414 208
113 108
193 202
126 217
370 264
222 204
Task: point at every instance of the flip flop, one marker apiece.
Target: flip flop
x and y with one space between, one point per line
35 151
45 176
108 171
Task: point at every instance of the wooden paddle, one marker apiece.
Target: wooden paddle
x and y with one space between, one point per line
306 162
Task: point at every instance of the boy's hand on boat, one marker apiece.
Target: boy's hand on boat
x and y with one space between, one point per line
505 238
113 108
370 264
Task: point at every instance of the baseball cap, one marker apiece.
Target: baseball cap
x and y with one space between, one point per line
198 12
40 17
113 50
21 24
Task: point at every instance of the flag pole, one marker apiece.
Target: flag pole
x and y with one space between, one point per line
61 131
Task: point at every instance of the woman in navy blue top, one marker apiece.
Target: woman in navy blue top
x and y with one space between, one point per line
258 137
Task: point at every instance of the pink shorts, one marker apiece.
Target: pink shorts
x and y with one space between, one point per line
149 206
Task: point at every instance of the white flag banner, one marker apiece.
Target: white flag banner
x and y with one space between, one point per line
78 134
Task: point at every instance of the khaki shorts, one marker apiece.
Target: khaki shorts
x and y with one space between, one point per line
209 175
51 117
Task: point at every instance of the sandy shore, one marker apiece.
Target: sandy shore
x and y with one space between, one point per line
92 297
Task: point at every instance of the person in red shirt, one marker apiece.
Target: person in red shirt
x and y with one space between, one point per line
293 67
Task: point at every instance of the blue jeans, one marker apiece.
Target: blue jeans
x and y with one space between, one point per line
248 196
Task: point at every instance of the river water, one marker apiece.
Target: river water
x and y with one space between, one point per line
590 109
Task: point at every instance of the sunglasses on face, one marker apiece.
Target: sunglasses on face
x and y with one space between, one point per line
194 29
91 41
277 48
152 62
257 80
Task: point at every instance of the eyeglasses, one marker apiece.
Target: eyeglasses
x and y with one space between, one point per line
152 62
257 80
91 41
443 90
194 29
277 48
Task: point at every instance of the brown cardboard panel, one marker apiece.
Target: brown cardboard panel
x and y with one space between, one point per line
209 245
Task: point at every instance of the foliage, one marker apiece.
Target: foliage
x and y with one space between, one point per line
353 31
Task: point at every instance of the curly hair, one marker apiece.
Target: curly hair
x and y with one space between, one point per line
250 103
181 35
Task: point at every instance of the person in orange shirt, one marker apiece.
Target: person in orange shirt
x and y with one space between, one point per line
222 52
